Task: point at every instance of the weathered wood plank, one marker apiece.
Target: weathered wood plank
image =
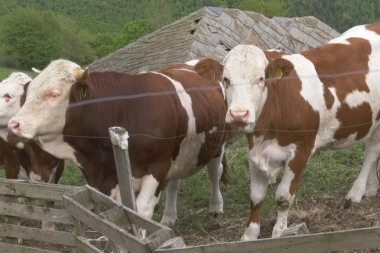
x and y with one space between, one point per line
12 248
37 234
99 198
43 191
84 246
367 238
148 224
34 212
104 227
117 215
83 197
156 239
10 219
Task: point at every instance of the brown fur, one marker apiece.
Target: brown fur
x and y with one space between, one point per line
161 116
209 68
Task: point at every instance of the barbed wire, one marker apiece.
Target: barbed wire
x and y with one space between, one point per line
211 88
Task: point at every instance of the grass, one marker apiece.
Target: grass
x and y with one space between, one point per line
5 72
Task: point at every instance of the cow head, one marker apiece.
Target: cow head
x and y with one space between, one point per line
47 100
11 90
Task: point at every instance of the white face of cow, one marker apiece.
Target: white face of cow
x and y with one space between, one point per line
11 90
244 78
47 100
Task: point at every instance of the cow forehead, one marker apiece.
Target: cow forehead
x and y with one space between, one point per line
57 73
14 82
246 62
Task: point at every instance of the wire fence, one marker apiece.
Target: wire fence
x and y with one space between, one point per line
218 87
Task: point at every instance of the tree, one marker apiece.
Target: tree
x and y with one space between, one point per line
269 8
35 38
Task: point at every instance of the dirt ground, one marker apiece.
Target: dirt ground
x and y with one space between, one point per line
320 215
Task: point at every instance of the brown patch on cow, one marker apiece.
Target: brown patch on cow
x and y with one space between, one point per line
353 121
375 27
329 98
349 74
23 96
273 55
278 68
250 141
209 68
255 213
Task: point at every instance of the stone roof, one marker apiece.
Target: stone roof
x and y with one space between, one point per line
212 32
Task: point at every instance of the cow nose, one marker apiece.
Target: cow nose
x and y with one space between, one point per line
239 116
13 126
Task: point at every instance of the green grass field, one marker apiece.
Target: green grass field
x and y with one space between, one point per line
5 72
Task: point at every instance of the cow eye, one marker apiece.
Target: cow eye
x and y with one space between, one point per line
8 96
261 79
226 82
54 95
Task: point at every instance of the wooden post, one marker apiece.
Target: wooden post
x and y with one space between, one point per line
119 139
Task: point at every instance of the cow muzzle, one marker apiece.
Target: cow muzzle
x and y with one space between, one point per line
238 116
14 127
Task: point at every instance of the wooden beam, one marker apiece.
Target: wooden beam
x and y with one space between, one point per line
367 238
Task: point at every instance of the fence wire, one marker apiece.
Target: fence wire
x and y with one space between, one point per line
217 87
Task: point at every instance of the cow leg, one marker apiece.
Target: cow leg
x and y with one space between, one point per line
259 186
370 161
372 182
286 190
148 198
214 170
170 212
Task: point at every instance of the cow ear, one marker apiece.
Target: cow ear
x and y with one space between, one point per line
80 91
209 68
278 69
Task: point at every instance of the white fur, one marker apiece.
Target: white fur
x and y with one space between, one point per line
246 91
13 87
251 232
115 194
192 62
34 177
58 148
58 76
22 174
146 200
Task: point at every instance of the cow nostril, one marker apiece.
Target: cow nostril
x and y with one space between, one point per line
239 115
14 126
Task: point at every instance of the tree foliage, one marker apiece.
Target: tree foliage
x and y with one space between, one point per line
33 32
33 38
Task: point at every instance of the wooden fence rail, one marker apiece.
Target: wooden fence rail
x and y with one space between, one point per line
14 212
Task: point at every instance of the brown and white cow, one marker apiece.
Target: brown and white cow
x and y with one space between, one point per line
325 98
173 132
26 161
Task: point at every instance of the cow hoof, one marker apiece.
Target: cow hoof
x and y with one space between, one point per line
215 210
168 221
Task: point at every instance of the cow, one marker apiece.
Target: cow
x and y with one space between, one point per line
323 98
173 132
25 161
